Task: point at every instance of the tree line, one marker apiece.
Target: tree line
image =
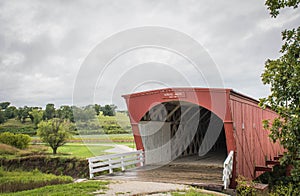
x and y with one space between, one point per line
37 114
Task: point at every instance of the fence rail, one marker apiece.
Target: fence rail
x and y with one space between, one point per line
110 162
227 171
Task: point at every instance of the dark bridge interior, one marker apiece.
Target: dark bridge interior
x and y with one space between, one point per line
185 126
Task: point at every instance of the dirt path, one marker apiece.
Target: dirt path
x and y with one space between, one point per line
118 148
130 188
141 188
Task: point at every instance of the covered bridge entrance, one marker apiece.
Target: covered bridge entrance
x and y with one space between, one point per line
189 127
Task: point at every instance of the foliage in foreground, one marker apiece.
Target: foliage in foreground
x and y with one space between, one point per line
245 186
20 141
13 181
286 190
283 76
82 189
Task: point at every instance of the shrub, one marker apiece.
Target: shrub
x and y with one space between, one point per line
20 141
245 187
289 189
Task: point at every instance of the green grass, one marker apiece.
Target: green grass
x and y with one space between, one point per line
97 138
104 137
82 189
81 150
191 192
12 181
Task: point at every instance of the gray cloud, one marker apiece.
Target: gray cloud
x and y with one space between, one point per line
43 43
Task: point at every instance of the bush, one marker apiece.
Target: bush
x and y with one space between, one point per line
290 190
20 141
245 187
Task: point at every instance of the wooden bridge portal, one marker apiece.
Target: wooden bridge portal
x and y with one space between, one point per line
172 123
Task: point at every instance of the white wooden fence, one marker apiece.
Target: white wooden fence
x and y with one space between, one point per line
227 171
110 162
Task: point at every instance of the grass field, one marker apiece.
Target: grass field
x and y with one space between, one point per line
90 145
81 150
80 189
80 146
12 181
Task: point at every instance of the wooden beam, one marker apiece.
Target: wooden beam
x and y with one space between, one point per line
263 168
184 113
173 111
270 162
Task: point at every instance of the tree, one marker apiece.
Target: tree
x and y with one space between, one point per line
37 116
2 117
84 113
97 109
283 76
23 113
11 112
55 132
49 111
65 112
4 105
275 5
109 110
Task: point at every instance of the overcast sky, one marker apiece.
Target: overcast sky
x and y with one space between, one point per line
44 44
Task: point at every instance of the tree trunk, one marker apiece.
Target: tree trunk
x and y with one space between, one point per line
54 150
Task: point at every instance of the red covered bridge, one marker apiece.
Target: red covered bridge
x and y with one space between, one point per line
178 122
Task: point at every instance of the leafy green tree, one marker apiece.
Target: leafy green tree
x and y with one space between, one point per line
4 105
37 116
109 110
2 117
11 112
55 132
65 112
84 113
283 76
23 113
49 111
275 5
97 109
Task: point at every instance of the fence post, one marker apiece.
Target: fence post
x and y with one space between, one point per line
90 169
227 171
110 165
141 157
122 163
